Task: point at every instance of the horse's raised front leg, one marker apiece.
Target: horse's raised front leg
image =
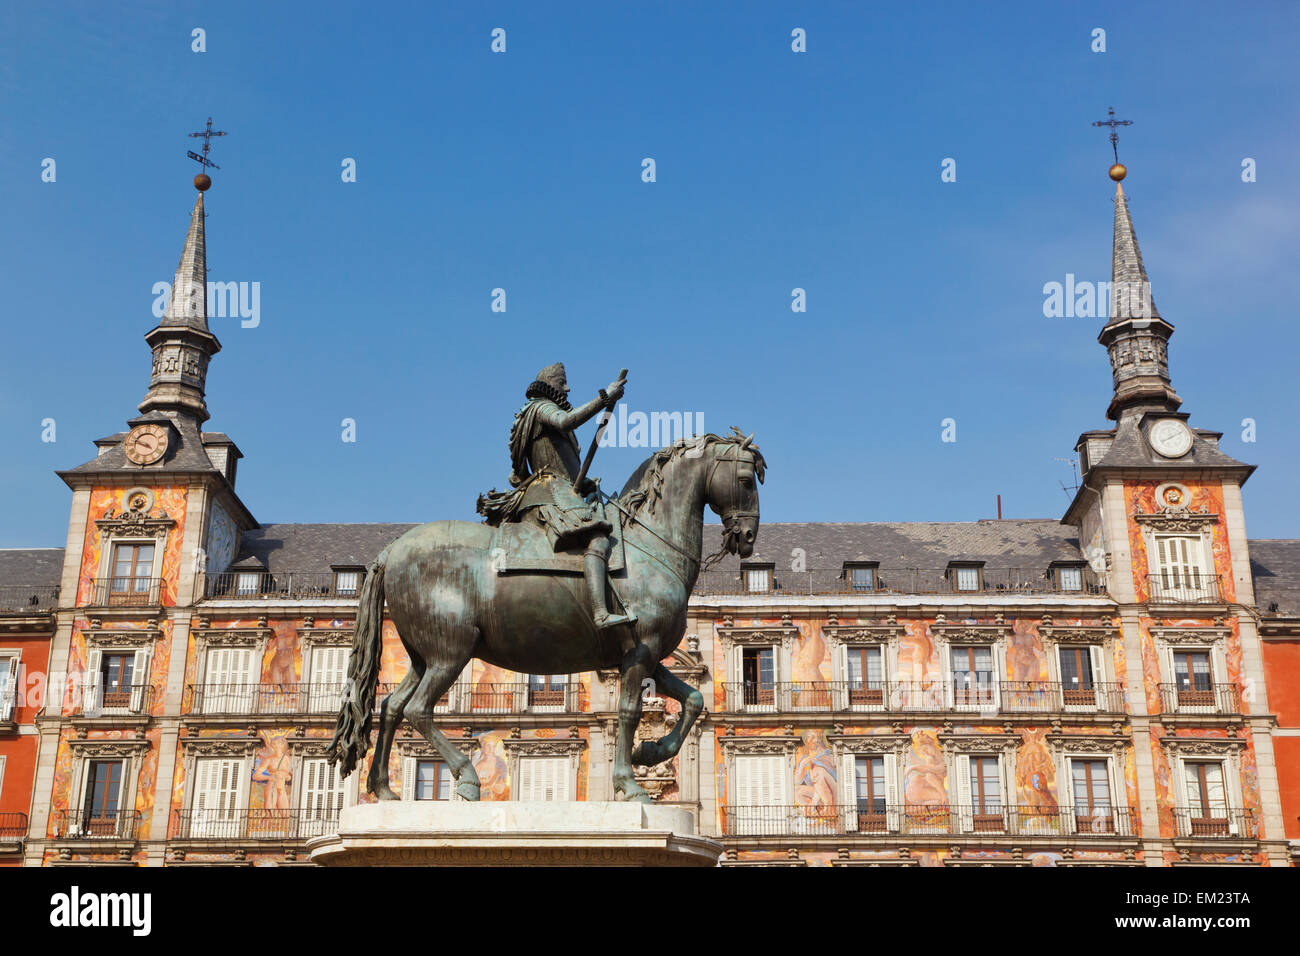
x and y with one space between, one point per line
390 715
637 665
651 752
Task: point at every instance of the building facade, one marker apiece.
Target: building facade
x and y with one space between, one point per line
1101 689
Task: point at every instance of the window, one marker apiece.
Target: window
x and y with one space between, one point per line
227 686
865 674
248 583
966 577
972 677
8 685
322 797
1090 789
1207 800
115 674
758 801
1078 683
862 577
1178 567
432 780
544 778
347 581
103 793
132 570
758 580
115 681
329 670
214 806
546 691
758 672
869 784
1192 680
984 778
1069 579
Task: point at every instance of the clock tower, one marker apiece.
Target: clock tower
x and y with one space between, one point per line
1160 519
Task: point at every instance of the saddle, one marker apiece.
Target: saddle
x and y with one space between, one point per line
525 548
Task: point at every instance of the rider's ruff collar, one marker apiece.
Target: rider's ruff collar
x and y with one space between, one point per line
541 389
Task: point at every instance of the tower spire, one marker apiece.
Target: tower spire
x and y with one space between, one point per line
182 343
1135 335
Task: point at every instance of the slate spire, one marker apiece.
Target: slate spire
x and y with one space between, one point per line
181 343
1135 336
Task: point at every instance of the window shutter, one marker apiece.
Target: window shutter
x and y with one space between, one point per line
329 669
139 679
562 775
527 780
216 796
893 805
735 693
849 782
216 679
90 691
408 778
962 792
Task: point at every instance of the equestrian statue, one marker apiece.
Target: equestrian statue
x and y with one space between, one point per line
559 578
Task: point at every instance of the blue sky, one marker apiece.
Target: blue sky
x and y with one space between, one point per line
522 171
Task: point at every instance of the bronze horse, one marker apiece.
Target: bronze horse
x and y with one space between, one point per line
450 605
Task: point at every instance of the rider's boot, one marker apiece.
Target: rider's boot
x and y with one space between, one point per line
594 570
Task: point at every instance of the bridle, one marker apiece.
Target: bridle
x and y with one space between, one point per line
730 511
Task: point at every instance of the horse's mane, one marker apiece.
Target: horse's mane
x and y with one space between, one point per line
645 485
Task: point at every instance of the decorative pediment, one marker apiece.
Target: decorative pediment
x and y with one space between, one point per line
1074 744
121 637
419 747
784 633
858 634
135 523
325 636
113 747
754 744
231 637
1076 633
869 743
544 746
969 633
1190 635
221 746
1176 521
979 743
309 746
1202 746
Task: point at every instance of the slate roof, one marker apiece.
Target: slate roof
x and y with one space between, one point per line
1275 567
38 566
185 453
1130 450
314 547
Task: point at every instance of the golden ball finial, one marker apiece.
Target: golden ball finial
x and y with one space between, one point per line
202 182
1118 172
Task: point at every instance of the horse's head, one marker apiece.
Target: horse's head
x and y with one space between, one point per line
732 490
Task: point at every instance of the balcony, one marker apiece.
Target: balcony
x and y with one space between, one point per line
521 698
87 825
1185 588
282 585
240 826
28 598
1005 697
937 819
263 699
125 592
905 581
1215 824
1217 699
13 826
135 700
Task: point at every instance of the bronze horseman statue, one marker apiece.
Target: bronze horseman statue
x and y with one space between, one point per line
559 579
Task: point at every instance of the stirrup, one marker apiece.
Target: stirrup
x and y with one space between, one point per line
605 620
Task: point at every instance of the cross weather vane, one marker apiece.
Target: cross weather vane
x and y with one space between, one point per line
206 135
1111 122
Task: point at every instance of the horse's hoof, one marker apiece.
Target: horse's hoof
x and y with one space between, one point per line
467 790
384 792
631 792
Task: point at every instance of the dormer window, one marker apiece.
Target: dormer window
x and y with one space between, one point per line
861 575
757 577
1068 577
347 580
966 575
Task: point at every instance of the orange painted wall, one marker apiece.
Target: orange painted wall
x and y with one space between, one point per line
19 750
1282 678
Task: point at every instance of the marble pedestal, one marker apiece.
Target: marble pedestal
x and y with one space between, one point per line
505 833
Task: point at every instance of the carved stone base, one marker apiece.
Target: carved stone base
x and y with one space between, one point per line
507 833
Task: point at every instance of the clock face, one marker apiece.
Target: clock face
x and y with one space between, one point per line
1171 438
146 444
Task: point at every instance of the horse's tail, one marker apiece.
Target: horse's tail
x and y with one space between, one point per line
352 730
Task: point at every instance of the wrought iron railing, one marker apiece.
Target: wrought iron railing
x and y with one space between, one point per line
285 585
518 698
98 700
1041 697
92 825
253 699
877 818
28 598
905 581
1191 699
13 826
1215 823
126 592
302 823
1185 588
